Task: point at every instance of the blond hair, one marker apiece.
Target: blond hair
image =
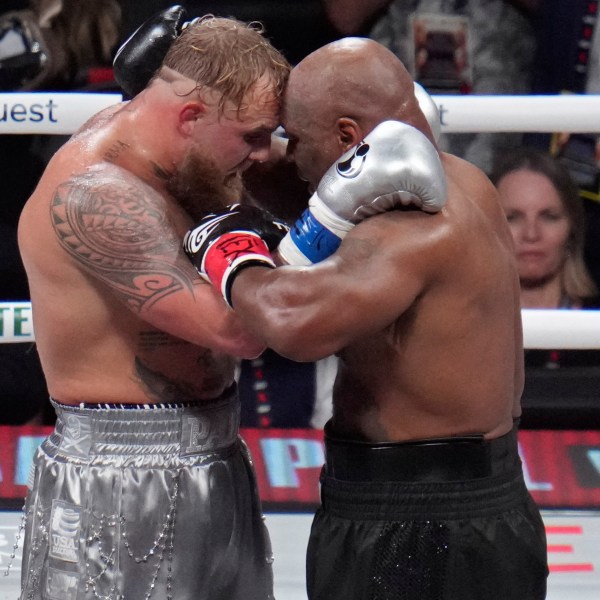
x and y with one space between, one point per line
228 56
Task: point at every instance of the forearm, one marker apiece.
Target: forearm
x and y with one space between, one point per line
291 309
199 315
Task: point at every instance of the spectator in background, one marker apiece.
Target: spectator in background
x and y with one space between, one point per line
546 219
453 47
53 44
568 61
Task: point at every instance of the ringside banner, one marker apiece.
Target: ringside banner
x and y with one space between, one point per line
60 113
562 468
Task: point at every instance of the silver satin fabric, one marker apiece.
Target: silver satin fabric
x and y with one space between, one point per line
157 502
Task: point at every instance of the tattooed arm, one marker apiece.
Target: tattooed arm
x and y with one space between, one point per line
124 234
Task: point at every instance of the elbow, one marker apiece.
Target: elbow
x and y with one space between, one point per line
244 347
298 341
251 352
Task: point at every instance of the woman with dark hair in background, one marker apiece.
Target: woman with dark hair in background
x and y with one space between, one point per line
546 218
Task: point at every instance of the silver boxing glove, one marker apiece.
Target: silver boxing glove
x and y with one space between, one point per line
395 165
430 110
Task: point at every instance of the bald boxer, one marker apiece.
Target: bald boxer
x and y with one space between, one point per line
145 488
422 492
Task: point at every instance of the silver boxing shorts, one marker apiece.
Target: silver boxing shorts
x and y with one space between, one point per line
133 503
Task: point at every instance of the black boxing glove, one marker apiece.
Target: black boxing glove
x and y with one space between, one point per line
140 56
221 245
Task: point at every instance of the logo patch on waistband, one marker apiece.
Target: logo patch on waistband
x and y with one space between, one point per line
215 429
77 435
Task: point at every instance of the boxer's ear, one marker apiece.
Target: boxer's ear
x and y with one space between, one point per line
189 114
349 133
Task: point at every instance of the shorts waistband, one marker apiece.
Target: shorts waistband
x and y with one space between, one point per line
186 429
398 501
433 460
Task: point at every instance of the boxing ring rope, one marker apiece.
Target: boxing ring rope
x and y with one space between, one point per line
542 329
63 113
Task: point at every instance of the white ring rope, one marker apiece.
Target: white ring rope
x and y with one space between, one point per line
555 329
542 329
542 114
64 113
50 112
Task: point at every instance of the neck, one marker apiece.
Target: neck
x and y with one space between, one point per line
133 148
546 294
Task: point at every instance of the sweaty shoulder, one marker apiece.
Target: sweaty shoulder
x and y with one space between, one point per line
428 247
469 181
109 207
471 190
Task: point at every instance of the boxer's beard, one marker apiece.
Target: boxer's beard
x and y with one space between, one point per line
200 187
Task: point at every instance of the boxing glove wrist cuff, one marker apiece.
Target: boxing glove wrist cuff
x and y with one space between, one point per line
231 253
316 235
336 224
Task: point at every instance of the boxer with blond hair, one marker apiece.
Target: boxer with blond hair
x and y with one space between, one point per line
145 487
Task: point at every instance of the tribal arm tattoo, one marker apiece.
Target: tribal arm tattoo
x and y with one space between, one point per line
121 234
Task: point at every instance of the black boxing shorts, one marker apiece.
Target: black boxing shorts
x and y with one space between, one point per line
444 519
142 503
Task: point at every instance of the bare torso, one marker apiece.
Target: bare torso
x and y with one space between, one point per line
452 363
423 312
120 315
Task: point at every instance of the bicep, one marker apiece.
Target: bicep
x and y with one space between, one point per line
122 236
310 312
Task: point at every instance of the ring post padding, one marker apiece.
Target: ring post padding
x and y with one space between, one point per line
60 113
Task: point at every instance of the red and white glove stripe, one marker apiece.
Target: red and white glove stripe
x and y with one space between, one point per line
229 254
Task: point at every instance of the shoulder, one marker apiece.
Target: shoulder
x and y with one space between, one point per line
104 197
467 177
105 180
408 237
475 200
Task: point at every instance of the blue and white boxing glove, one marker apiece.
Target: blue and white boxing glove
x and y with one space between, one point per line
395 165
